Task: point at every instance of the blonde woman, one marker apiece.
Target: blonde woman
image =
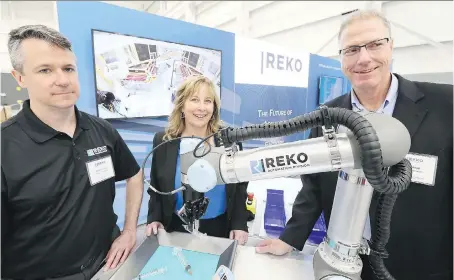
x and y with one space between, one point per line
196 113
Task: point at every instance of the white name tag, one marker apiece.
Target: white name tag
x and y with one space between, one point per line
223 273
424 168
100 170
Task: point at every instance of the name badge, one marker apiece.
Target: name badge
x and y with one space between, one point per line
223 273
424 168
100 170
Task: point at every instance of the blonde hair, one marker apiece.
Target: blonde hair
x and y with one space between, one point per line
363 15
189 87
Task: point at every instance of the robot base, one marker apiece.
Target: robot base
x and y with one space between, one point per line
324 267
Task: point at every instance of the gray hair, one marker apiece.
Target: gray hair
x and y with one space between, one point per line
40 32
362 15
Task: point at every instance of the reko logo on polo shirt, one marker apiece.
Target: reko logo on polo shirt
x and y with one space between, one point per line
97 151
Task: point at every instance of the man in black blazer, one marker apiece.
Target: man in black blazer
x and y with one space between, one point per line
420 246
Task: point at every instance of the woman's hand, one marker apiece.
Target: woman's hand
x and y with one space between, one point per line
153 228
240 235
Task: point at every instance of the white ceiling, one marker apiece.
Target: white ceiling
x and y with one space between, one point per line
422 29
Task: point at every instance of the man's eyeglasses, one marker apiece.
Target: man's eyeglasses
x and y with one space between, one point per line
371 46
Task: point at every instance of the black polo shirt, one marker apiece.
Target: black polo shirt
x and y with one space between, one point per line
54 221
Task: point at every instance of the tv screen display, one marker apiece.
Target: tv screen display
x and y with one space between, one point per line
330 88
138 77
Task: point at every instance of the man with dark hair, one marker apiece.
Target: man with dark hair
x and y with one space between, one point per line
58 171
420 245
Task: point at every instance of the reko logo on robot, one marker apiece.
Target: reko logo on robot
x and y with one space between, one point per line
278 163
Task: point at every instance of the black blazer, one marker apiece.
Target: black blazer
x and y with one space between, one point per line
421 241
162 177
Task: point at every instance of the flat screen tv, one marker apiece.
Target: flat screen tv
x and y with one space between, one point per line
330 88
138 77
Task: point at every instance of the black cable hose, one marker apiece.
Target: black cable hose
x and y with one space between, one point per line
381 236
389 185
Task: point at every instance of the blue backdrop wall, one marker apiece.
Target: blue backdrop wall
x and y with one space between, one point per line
323 66
271 85
77 19
242 94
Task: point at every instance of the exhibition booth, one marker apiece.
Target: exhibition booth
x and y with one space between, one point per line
130 65
141 58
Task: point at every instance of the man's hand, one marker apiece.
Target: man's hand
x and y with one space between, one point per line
273 246
120 249
239 235
153 228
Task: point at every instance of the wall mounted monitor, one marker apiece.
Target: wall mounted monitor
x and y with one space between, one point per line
330 88
137 77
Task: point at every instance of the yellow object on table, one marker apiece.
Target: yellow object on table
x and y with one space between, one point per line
251 204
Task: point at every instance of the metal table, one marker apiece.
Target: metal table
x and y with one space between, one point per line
250 265
247 264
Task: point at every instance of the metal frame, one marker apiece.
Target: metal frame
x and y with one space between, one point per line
146 247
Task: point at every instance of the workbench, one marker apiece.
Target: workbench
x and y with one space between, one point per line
247 264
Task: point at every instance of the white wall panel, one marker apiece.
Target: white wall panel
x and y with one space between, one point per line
7 25
5 64
422 59
204 6
317 28
152 6
296 25
431 19
222 12
18 13
281 16
136 5
36 10
174 9
309 37
173 4
3 43
254 5
229 26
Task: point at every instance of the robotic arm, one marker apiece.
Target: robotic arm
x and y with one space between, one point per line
372 145
377 148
